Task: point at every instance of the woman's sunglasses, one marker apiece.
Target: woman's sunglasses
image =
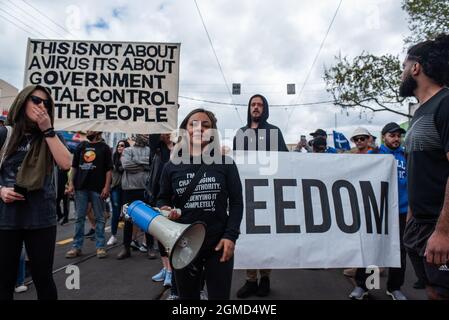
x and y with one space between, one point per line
37 101
121 146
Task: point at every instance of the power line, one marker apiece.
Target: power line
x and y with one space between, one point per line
216 58
29 14
28 26
12 22
315 60
57 24
271 105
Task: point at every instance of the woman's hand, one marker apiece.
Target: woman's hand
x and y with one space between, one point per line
173 213
42 118
8 195
228 249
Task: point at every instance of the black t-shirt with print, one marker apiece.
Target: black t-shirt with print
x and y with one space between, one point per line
91 161
209 201
427 144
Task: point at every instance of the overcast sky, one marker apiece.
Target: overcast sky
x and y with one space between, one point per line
261 44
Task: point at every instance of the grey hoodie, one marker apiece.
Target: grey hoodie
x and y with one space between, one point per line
135 162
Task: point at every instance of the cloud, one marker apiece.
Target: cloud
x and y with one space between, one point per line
99 24
261 44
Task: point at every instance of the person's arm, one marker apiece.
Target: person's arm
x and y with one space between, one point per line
409 214
108 165
437 249
107 185
144 159
58 150
75 165
128 162
60 153
165 192
232 231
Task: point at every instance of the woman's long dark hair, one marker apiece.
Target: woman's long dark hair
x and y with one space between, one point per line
22 124
116 156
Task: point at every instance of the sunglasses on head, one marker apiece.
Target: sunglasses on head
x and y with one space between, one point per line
37 101
362 139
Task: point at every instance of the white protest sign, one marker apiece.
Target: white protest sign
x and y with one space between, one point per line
318 211
108 86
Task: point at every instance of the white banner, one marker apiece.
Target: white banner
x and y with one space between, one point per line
318 211
108 86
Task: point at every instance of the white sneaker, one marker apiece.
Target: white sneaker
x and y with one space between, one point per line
21 288
112 240
358 294
397 295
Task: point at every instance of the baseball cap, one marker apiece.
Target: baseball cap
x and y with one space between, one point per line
392 127
318 132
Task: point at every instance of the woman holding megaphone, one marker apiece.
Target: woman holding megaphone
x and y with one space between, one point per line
197 159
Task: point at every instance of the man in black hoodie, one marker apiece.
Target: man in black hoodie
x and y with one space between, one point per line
258 134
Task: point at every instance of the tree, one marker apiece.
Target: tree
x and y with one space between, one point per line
427 19
368 81
372 82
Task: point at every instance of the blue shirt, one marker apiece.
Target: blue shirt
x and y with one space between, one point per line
402 174
331 150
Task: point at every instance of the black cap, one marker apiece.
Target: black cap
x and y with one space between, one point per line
392 127
319 132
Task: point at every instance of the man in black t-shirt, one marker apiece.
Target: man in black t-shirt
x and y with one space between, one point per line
426 77
91 180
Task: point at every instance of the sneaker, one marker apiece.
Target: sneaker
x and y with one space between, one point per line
143 247
73 253
264 287
160 276
124 253
101 253
21 288
135 245
203 295
90 233
358 293
152 254
167 280
396 295
64 221
112 240
172 297
248 289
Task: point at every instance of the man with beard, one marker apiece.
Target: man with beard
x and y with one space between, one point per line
258 134
426 238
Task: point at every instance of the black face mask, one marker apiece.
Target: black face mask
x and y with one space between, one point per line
408 86
91 137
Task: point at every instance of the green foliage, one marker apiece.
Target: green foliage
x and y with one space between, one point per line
368 81
372 82
427 19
